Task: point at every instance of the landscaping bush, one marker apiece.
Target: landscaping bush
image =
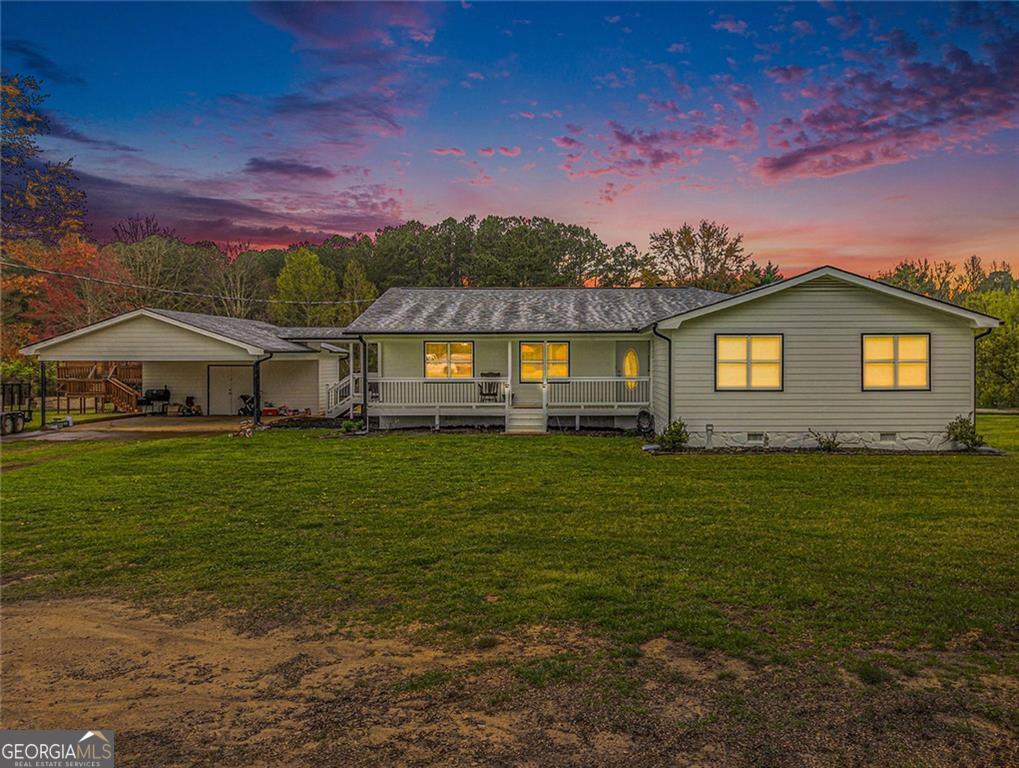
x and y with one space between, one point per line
962 430
349 425
827 441
674 437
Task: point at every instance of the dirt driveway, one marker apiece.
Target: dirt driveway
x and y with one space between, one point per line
202 693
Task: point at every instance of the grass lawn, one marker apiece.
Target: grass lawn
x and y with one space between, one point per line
477 599
751 554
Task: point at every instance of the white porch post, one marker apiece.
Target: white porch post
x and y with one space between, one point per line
509 374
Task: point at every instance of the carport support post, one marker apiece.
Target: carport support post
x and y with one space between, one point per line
42 394
256 384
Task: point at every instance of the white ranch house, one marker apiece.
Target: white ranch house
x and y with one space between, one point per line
827 351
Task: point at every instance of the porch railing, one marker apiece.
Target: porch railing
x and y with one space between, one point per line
415 391
337 393
601 392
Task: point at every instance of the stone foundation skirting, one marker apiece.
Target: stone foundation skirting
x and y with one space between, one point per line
889 441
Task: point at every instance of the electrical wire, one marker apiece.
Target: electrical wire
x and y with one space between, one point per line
104 281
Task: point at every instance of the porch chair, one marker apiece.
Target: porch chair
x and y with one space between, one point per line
489 391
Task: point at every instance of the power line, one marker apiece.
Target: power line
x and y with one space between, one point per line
174 291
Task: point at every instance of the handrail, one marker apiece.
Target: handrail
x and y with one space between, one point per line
561 379
424 379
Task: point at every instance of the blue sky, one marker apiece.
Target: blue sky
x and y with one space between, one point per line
852 134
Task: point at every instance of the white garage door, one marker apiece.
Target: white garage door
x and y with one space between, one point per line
226 385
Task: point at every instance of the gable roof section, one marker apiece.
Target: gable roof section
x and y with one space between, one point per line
253 336
525 310
255 333
978 319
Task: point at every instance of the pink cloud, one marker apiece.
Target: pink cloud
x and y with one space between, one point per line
803 27
678 48
610 191
786 75
456 151
526 115
475 76
510 151
870 119
567 142
421 35
486 151
729 24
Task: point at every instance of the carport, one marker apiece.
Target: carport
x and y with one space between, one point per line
213 359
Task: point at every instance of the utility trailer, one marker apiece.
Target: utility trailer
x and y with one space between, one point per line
16 406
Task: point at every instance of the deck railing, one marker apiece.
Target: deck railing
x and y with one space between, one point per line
601 392
430 392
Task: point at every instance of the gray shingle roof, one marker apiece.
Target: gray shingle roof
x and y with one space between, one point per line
312 332
252 332
526 310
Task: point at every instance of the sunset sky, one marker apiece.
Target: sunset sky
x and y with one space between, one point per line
855 135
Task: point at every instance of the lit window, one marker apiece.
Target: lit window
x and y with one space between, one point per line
748 362
896 361
541 360
449 359
631 367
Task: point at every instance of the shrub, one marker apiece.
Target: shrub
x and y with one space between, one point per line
674 436
961 429
349 425
827 441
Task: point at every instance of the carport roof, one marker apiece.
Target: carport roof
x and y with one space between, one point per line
254 333
255 336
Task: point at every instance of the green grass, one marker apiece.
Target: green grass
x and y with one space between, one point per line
474 534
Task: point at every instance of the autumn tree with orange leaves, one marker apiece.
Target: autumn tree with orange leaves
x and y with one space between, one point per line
37 305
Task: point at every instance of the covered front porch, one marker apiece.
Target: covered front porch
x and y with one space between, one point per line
519 381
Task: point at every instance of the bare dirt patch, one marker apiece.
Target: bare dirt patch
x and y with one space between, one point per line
202 693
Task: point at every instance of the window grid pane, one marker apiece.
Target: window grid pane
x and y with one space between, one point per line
445 360
732 348
766 349
748 362
544 360
896 361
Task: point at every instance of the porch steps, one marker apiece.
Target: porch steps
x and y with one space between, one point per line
339 409
526 421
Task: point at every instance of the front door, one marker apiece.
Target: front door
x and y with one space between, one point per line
226 385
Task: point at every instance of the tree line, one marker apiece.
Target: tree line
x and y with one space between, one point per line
993 290
56 278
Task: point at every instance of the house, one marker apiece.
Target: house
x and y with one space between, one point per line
827 351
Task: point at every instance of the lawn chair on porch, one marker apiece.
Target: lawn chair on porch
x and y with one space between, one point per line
489 391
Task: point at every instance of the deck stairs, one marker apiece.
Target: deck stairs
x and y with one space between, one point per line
340 398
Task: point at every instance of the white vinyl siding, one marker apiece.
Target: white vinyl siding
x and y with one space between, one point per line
328 373
660 382
181 378
144 338
822 322
294 383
